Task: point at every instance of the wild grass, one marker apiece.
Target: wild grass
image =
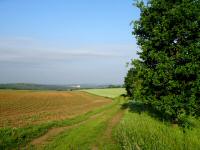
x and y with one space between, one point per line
142 131
110 92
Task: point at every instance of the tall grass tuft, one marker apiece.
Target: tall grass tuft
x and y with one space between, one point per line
141 131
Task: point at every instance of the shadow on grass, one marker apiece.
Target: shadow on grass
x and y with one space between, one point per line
139 107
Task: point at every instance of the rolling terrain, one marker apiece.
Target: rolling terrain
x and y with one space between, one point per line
98 123
56 119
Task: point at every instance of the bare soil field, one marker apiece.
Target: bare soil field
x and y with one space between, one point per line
21 108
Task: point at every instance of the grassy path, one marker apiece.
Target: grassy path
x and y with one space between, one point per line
44 139
106 141
53 132
95 132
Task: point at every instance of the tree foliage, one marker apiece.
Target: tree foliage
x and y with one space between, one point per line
168 71
130 81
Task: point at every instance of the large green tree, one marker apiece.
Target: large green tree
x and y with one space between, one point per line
168 33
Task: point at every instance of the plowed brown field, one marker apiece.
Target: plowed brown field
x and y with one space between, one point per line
20 108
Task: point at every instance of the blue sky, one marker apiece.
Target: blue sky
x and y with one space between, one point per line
66 41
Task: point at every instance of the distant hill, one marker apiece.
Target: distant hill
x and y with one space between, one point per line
32 86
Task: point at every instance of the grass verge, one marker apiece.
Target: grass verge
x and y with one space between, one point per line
142 131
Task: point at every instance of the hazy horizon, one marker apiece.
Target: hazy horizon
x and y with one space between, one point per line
66 42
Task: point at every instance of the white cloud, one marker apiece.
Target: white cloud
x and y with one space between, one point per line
46 56
28 50
16 42
28 60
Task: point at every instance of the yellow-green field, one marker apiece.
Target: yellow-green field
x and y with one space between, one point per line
110 92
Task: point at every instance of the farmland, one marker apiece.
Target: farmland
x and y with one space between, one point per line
20 108
110 92
97 123
31 118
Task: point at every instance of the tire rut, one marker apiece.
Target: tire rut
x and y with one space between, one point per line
111 124
53 132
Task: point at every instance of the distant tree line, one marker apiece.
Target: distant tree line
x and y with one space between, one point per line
30 86
114 86
166 76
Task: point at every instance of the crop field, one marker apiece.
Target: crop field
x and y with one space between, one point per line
110 92
20 108
64 120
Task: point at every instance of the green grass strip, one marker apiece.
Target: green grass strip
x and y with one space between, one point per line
141 131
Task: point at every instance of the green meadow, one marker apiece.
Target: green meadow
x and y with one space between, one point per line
110 92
